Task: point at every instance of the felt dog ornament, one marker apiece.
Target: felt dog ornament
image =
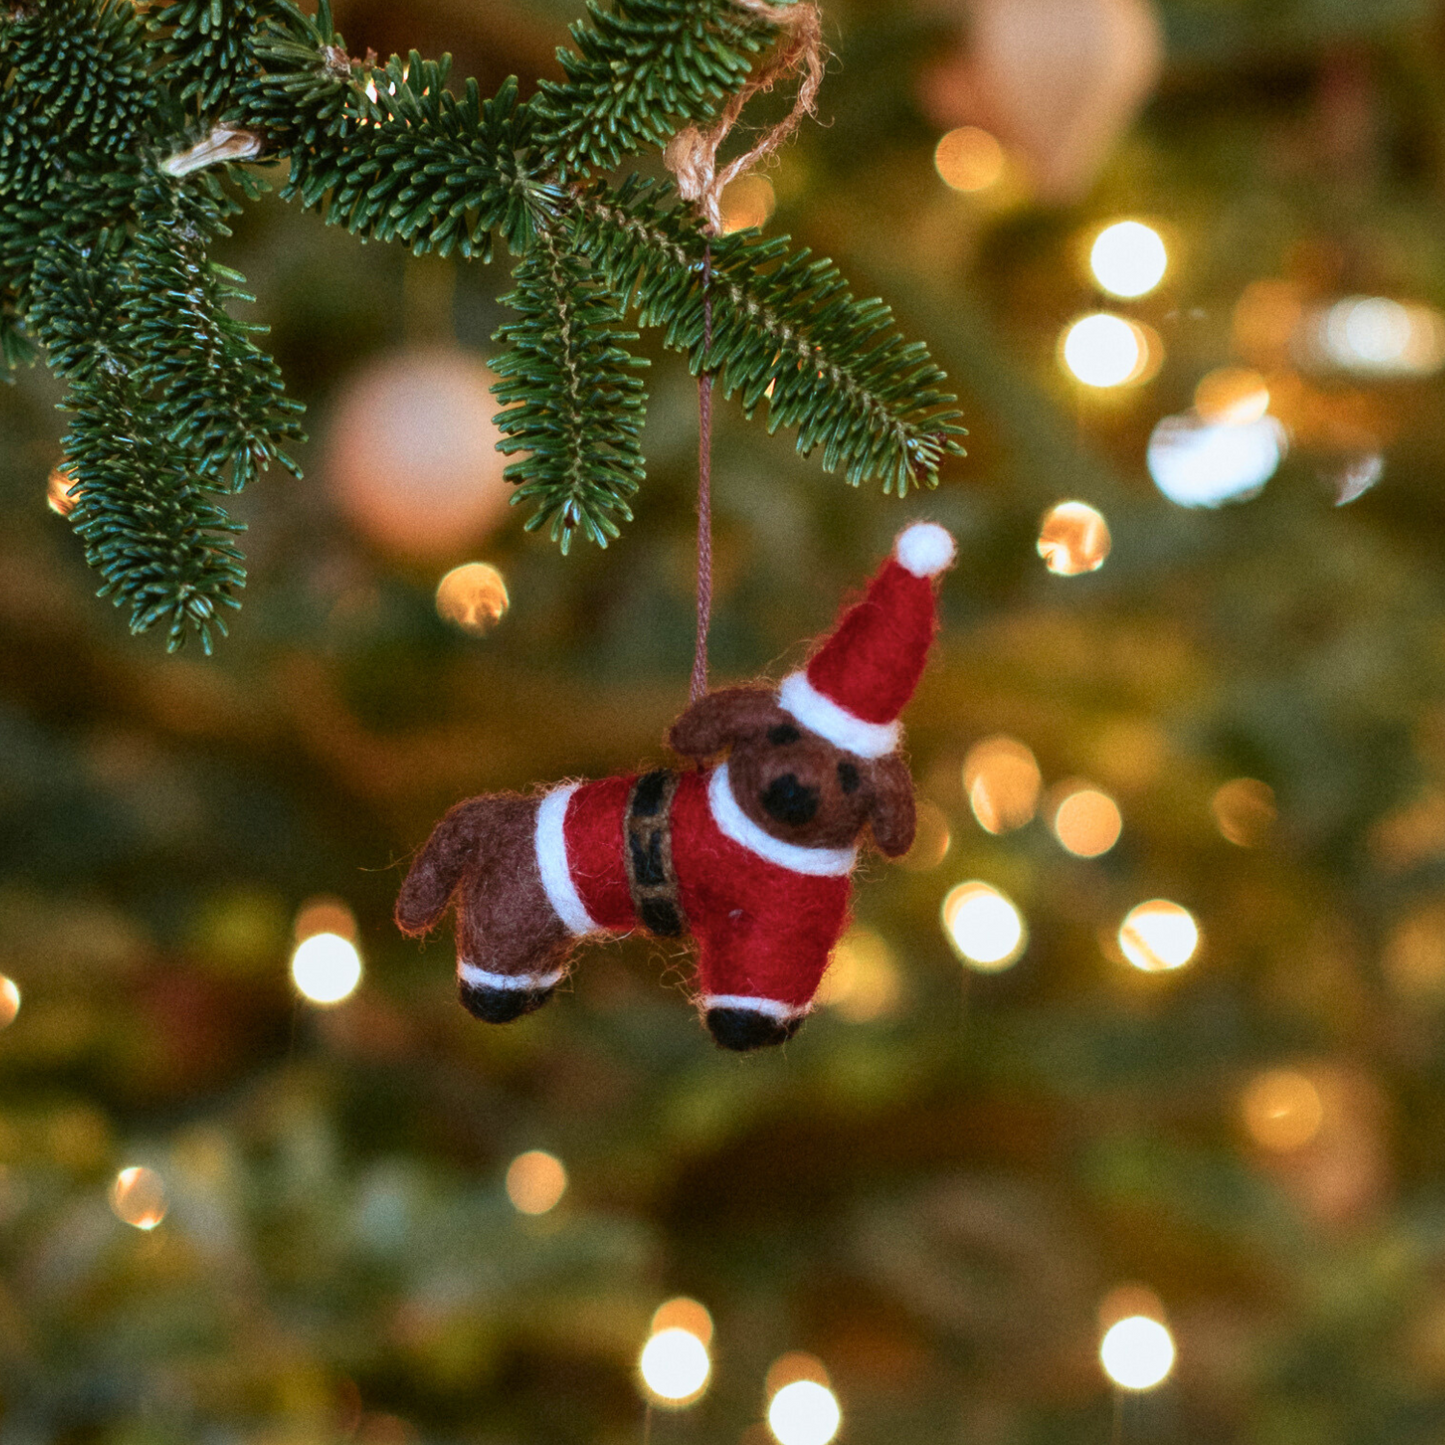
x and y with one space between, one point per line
752 852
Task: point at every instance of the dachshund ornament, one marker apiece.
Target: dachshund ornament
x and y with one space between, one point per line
752 852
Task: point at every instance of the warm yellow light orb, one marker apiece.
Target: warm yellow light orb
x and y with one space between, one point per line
1137 1353
1159 935
1244 811
1087 822
1002 780
1282 1109
138 1197
1128 258
1103 350
59 493
1074 539
1231 396
326 968
804 1413
674 1366
748 201
985 928
324 914
969 159
932 838
683 1313
536 1181
862 981
473 598
9 1001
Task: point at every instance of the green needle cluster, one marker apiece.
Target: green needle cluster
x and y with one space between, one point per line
127 138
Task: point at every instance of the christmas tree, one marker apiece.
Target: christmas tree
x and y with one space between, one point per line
1141 1045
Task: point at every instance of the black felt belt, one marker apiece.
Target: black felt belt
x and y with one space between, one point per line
647 849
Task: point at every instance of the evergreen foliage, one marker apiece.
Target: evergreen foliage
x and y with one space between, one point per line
121 142
572 399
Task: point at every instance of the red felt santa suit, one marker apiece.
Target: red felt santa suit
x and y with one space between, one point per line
765 913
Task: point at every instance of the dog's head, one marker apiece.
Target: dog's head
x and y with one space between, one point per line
792 783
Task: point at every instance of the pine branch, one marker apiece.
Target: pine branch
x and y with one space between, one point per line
786 330
118 136
216 395
573 402
141 510
645 69
205 47
392 154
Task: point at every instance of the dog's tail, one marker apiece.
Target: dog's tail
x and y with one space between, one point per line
458 843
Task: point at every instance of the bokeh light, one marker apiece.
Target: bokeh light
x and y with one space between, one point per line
674 1366
1103 350
1375 336
795 1365
1196 463
1282 1110
473 598
138 1197
1002 780
1125 1300
1413 960
748 201
1086 822
1231 396
1357 476
985 928
536 1182
9 1001
969 159
324 914
804 1413
410 453
326 968
1137 1352
1158 936
1128 259
1073 539
59 492
683 1313
862 982
1244 811
932 838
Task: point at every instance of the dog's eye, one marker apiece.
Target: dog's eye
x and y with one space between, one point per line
848 777
783 733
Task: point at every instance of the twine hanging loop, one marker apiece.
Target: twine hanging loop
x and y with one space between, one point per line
691 156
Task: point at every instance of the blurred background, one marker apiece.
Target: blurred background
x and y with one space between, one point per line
1148 1031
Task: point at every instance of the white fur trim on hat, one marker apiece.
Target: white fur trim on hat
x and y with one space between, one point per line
769 1007
823 716
475 977
552 863
733 823
925 549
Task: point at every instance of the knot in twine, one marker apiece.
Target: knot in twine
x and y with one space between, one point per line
691 154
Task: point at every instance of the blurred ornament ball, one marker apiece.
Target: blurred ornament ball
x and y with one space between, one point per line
411 455
1055 80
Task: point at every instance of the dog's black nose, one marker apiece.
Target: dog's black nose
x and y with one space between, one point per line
790 801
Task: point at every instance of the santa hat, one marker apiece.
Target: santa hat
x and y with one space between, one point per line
859 681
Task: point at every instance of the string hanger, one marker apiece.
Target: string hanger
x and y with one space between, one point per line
691 156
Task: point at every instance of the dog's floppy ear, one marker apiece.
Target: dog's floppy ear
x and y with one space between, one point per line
893 817
721 718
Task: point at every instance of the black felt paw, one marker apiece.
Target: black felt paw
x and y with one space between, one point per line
743 1029
501 1005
